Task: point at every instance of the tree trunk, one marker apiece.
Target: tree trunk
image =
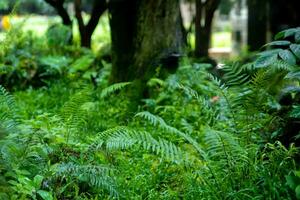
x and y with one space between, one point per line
86 31
58 5
203 25
257 24
123 31
144 35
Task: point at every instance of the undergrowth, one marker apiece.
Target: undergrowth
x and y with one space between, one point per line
195 137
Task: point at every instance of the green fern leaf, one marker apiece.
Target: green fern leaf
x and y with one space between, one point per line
158 121
113 88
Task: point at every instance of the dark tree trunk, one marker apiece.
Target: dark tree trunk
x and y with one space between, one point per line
144 34
257 24
203 25
123 31
184 31
86 31
58 5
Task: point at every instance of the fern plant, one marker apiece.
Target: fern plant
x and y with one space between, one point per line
123 138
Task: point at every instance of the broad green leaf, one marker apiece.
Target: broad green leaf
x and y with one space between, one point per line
269 52
297 190
292 180
57 63
286 33
287 56
265 61
82 64
297 37
279 35
45 195
293 75
278 43
37 180
290 32
295 113
295 49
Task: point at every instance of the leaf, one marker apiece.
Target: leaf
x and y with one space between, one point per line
278 43
286 33
113 88
55 62
293 75
291 181
297 190
37 180
295 49
287 56
279 35
82 64
265 61
45 195
295 113
269 52
290 32
297 37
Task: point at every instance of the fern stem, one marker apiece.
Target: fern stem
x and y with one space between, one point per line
229 106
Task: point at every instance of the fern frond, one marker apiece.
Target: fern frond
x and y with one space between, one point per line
97 176
236 75
280 65
189 91
153 119
217 82
6 98
159 122
124 138
113 88
71 112
225 146
7 111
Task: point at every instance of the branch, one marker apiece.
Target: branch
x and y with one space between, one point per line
58 5
55 3
99 8
77 6
212 5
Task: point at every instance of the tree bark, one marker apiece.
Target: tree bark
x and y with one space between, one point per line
86 31
144 35
203 25
257 24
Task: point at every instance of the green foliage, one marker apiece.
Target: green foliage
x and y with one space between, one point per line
4 4
59 35
113 88
124 138
195 137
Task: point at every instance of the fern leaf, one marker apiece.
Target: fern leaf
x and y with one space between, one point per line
7 112
113 88
158 121
95 175
124 138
